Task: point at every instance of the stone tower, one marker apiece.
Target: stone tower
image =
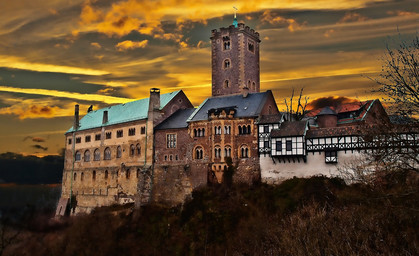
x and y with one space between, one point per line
235 60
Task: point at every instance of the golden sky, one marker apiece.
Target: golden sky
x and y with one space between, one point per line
56 53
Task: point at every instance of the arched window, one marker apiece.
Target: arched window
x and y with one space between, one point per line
127 173
78 156
248 129
132 150
226 84
244 129
106 174
97 155
240 130
203 132
138 149
82 176
94 175
226 64
75 176
227 151
195 133
107 154
217 152
226 45
87 156
118 152
199 153
244 150
199 132
248 84
254 86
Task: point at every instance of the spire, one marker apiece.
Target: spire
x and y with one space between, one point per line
235 23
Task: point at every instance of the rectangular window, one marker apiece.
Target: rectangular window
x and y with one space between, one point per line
78 140
266 144
289 145
279 146
108 135
143 130
265 128
97 137
87 138
331 156
131 131
69 141
119 133
171 140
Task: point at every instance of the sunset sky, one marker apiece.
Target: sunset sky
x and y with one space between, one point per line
57 53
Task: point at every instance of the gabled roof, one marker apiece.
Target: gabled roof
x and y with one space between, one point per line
177 120
250 106
122 113
288 129
271 119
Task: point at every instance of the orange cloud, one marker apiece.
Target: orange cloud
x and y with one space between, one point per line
329 32
31 111
401 13
352 17
89 15
96 45
293 25
129 45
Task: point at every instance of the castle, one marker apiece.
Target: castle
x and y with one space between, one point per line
161 148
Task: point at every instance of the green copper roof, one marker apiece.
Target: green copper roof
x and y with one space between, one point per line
131 111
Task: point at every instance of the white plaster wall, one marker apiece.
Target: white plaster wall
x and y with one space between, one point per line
274 173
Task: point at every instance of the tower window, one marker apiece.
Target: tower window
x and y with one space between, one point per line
226 64
226 84
251 46
226 45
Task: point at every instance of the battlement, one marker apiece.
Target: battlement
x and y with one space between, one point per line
241 27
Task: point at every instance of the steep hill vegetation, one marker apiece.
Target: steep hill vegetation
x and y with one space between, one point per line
316 216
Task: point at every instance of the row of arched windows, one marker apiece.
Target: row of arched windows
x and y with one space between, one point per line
244 152
199 132
107 155
245 129
106 175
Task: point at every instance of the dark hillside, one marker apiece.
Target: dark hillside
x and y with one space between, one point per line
316 216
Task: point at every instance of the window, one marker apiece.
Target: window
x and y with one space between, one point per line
227 151
244 152
138 147
119 133
78 156
217 152
331 156
248 84
87 156
171 140
266 144
143 130
78 140
75 176
97 155
118 152
278 145
131 150
82 177
107 154
227 129
289 145
249 131
226 84
69 141
106 174
108 135
266 128
97 137
245 129
254 87
251 46
131 131
127 174
94 175
170 157
176 157
199 132
217 130
199 153
87 138
226 45
226 64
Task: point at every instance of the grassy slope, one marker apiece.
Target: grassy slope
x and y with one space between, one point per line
316 216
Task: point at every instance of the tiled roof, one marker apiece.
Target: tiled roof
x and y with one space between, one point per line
177 120
287 129
249 106
131 111
347 107
334 131
271 119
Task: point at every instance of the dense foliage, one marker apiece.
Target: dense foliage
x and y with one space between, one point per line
316 216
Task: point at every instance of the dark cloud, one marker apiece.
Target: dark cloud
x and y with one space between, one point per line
34 139
329 102
37 146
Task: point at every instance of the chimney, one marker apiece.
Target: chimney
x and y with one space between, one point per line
76 117
245 91
154 103
105 117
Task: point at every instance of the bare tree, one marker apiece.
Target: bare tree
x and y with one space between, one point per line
301 106
399 79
